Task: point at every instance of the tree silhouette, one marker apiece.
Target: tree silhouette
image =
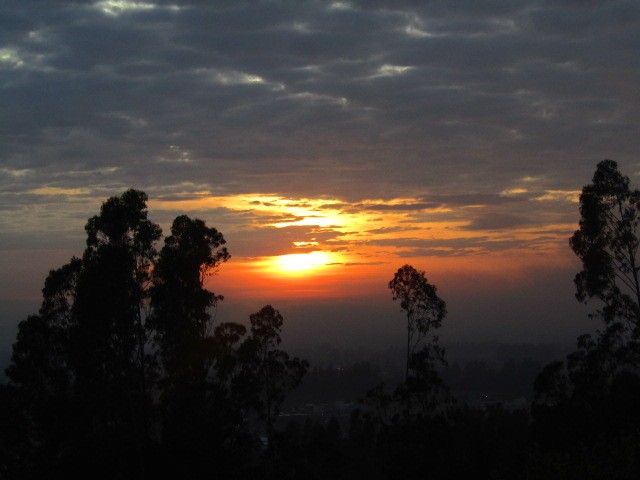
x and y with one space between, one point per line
420 302
82 360
40 354
268 372
199 415
108 334
87 392
607 243
581 411
181 321
123 229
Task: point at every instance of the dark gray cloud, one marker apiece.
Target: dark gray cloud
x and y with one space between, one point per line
270 241
499 221
270 94
398 207
421 247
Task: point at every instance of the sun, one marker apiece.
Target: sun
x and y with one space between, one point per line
302 263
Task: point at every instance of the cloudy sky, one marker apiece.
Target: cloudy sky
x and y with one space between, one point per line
355 136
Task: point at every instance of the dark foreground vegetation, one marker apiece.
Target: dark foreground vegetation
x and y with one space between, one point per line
124 374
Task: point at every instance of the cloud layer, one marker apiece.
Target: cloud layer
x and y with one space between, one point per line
368 99
428 128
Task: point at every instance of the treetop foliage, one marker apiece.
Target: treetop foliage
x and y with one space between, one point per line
123 221
423 308
418 298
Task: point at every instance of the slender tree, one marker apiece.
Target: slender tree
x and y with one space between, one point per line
268 372
420 302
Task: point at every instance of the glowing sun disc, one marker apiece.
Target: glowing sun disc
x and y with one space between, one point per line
297 263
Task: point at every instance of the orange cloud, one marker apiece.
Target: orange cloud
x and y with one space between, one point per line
329 247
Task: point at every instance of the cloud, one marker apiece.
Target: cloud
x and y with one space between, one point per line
499 221
435 128
203 74
60 191
399 207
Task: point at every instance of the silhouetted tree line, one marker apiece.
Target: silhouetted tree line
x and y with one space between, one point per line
583 422
123 374
586 418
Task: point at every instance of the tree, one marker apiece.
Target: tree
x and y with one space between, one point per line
423 308
268 373
200 418
85 380
607 244
82 360
40 355
583 415
120 253
107 335
181 320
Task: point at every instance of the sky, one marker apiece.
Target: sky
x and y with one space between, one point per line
330 142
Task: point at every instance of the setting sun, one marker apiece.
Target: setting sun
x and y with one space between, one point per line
301 263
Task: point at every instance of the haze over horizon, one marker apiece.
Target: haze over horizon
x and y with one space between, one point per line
330 142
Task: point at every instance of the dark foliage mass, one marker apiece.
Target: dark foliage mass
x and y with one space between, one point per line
586 422
124 373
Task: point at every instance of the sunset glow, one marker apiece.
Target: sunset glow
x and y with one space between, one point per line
366 136
309 247
300 263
